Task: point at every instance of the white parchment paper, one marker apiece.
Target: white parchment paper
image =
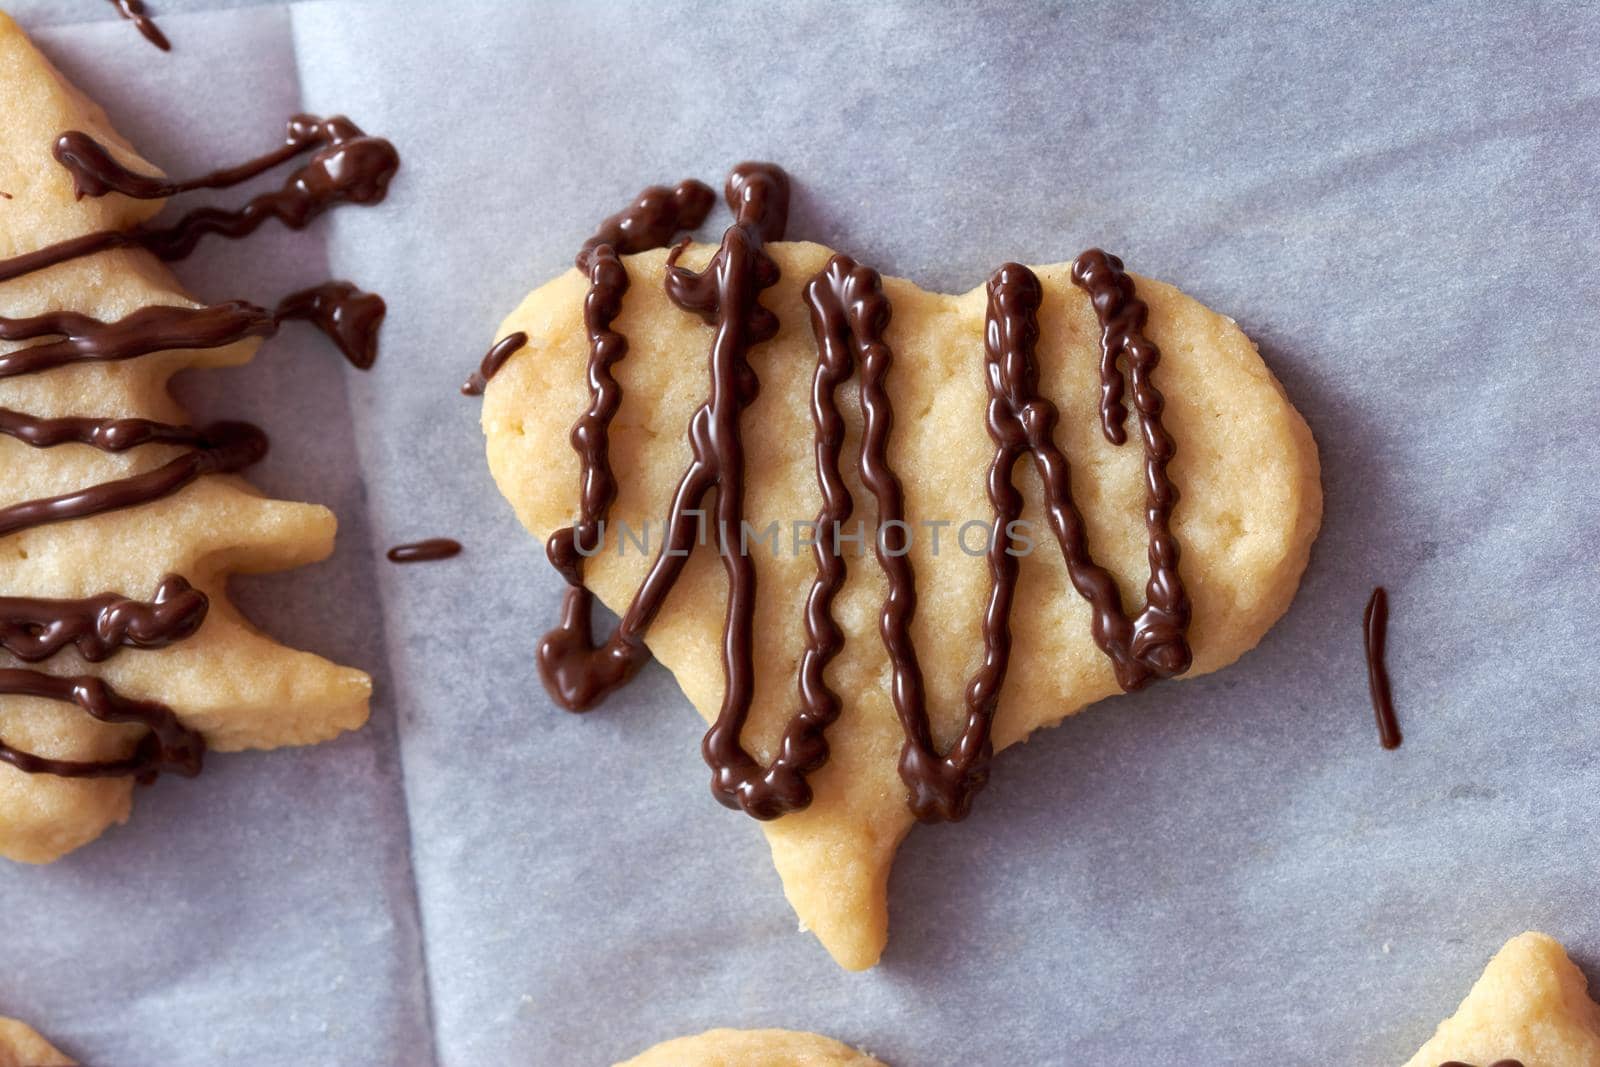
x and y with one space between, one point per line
1401 208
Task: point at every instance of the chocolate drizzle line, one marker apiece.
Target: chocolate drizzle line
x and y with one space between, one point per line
576 671
849 314
425 551
1496 1063
222 448
345 314
1152 645
1375 630
169 745
134 11
1020 421
726 294
34 629
496 358
346 166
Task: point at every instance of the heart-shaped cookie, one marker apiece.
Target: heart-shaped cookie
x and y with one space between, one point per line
1531 1006
818 367
117 542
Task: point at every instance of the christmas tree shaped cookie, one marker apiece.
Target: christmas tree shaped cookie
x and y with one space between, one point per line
120 519
877 533
1531 1006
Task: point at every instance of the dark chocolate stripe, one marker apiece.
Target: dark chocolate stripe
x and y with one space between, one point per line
348 167
849 314
169 746
1020 421
226 447
727 296
108 435
34 628
150 329
1375 631
346 315
575 669
1153 645
96 172
435 548
493 360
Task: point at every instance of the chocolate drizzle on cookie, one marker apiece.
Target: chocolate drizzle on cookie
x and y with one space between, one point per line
726 295
849 315
222 448
167 746
134 11
1496 1063
577 671
34 629
345 166
493 360
346 315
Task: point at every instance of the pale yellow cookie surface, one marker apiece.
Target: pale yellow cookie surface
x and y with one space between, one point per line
1246 466
1532 1004
237 686
21 1046
752 1048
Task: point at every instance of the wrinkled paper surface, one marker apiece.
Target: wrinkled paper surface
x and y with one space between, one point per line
1401 209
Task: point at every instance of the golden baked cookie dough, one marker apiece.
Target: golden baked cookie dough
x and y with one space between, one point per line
1532 1004
1246 467
751 1048
21 1046
237 686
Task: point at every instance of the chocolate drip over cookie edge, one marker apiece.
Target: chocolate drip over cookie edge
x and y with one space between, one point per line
347 166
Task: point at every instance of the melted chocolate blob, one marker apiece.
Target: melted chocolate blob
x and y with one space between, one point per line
134 11
349 317
168 746
347 166
849 314
425 551
34 629
1375 630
